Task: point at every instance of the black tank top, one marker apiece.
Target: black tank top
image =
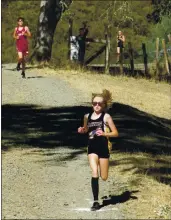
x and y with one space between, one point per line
120 42
94 124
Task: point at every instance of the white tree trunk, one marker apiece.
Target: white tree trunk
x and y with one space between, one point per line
50 14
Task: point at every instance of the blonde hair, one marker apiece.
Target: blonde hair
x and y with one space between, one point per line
106 95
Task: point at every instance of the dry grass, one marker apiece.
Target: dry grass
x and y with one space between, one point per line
153 197
148 174
146 95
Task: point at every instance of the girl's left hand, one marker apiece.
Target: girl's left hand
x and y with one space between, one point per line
99 132
24 33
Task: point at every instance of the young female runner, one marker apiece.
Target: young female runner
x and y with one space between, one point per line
20 34
98 153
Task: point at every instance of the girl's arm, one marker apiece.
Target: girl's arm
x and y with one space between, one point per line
114 131
84 129
27 32
14 34
85 123
123 38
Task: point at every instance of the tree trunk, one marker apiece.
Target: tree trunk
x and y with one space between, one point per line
50 14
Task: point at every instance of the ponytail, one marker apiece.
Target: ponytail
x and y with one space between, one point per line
106 95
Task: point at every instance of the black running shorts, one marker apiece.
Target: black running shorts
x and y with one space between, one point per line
99 147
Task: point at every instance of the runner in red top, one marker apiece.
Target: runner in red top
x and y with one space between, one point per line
20 34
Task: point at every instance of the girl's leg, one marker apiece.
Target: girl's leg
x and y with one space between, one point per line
104 168
20 57
118 50
118 54
94 161
23 67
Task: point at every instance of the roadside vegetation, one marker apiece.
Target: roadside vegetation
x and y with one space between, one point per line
141 156
130 17
141 108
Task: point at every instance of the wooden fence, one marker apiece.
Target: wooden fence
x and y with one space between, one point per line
106 46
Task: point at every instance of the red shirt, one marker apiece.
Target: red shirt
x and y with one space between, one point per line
21 43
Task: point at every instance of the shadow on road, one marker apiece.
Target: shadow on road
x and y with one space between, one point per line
29 126
15 69
114 199
34 77
33 126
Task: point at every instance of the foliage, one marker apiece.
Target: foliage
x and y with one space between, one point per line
161 8
27 9
129 16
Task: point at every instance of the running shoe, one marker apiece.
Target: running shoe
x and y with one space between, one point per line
23 75
95 207
18 67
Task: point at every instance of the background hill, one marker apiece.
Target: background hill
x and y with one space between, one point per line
128 16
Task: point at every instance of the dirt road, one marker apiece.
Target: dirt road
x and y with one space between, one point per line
47 183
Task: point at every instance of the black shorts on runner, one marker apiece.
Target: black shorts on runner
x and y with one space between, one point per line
99 146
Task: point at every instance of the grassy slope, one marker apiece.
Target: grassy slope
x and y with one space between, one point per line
147 172
82 11
139 109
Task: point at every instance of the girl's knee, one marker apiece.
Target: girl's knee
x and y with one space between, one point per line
104 178
20 59
95 174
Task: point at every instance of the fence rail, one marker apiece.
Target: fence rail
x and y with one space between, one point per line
144 66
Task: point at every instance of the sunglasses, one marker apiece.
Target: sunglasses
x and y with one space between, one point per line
97 103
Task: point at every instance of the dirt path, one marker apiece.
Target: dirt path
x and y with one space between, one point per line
36 89
48 183
38 186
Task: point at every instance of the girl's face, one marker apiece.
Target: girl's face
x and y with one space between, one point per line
20 22
98 104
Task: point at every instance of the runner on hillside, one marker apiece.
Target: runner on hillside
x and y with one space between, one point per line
120 42
120 45
81 38
96 124
20 34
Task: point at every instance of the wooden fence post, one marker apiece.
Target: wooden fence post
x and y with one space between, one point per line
157 57
95 55
131 57
165 56
107 53
145 59
69 37
121 61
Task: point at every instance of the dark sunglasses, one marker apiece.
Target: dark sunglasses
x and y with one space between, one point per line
97 103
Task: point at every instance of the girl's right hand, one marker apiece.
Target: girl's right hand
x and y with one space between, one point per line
81 130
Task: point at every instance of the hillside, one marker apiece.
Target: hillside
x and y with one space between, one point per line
129 17
43 155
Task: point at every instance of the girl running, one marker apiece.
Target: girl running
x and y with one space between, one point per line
20 34
96 124
120 42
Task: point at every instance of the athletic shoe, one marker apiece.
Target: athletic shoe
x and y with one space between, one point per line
96 206
23 75
18 67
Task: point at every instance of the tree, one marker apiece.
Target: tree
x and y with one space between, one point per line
161 8
117 14
50 14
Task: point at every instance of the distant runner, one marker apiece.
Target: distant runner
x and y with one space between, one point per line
81 38
100 127
120 42
20 34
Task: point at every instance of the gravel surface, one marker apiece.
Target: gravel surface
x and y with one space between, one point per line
42 183
36 89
